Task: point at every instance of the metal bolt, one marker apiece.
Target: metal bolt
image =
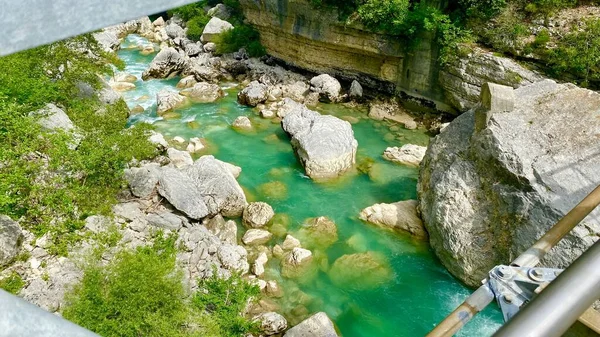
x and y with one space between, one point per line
508 298
504 272
536 274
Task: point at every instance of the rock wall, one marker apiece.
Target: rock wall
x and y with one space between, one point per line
293 31
499 176
302 36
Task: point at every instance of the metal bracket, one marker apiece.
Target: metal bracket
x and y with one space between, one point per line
514 287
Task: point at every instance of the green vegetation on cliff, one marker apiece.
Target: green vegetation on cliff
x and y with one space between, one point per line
242 36
142 293
53 179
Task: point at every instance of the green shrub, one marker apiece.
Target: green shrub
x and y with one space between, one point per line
481 9
13 283
578 54
240 37
196 26
51 185
224 300
547 7
139 293
384 15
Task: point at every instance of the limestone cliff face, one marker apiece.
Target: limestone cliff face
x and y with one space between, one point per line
297 33
491 184
314 39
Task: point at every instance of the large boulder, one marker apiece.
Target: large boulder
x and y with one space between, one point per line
203 92
408 154
327 87
182 192
253 94
214 28
142 181
498 177
401 216
317 325
324 144
166 64
167 100
221 191
11 238
53 118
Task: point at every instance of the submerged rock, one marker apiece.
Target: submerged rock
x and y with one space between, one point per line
203 92
318 325
320 232
409 154
361 270
327 87
500 176
253 94
401 216
11 238
325 145
257 214
214 28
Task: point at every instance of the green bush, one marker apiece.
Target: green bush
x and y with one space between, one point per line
240 37
13 283
224 300
547 7
43 180
578 54
141 293
384 15
196 26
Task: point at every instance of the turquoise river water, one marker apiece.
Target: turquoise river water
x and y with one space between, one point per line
420 292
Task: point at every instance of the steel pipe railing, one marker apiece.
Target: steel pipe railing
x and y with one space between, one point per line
561 303
530 258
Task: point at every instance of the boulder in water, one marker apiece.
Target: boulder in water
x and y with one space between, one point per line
400 216
325 145
409 154
166 64
296 263
167 100
257 214
500 176
186 82
242 123
203 92
256 237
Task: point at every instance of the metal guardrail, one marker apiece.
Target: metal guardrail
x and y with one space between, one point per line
31 23
19 318
484 295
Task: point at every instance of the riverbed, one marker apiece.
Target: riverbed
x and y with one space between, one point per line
419 291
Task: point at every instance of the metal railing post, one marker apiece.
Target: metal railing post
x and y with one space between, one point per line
530 258
562 302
